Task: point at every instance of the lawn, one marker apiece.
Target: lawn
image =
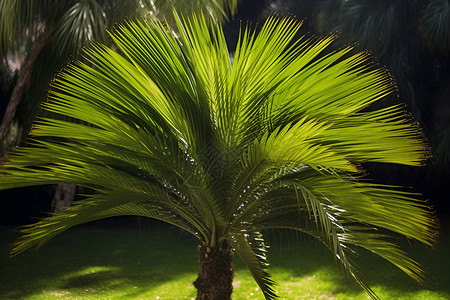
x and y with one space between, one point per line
92 262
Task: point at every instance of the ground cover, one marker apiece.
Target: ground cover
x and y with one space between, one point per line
155 263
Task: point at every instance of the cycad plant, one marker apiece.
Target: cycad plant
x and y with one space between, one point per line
174 131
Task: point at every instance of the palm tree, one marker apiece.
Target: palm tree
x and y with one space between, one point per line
172 130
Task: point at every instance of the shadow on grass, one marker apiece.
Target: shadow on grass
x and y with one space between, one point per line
96 261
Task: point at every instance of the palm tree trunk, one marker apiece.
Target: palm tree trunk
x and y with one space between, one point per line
63 197
215 276
23 79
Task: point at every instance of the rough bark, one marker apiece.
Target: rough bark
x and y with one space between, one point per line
23 79
63 196
215 276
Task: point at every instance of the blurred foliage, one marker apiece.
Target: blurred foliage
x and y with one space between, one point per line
218 10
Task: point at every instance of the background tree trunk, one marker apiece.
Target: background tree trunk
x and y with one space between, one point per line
23 79
63 197
215 276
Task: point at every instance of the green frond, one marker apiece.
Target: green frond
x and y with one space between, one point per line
344 212
375 22
378 244
300 144
83 21
257 70
8 14
107 204
395 140
435 21
19 21
377 206
251 248
216 10
309 214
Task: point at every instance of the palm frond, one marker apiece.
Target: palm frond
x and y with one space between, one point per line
251 248
345 212
436 18
17 20
110 203
82 22
257 71
8 15
216 10
376 22
310 214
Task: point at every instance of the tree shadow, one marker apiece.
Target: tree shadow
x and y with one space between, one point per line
94 260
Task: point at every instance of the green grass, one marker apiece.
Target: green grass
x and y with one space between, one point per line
96 263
